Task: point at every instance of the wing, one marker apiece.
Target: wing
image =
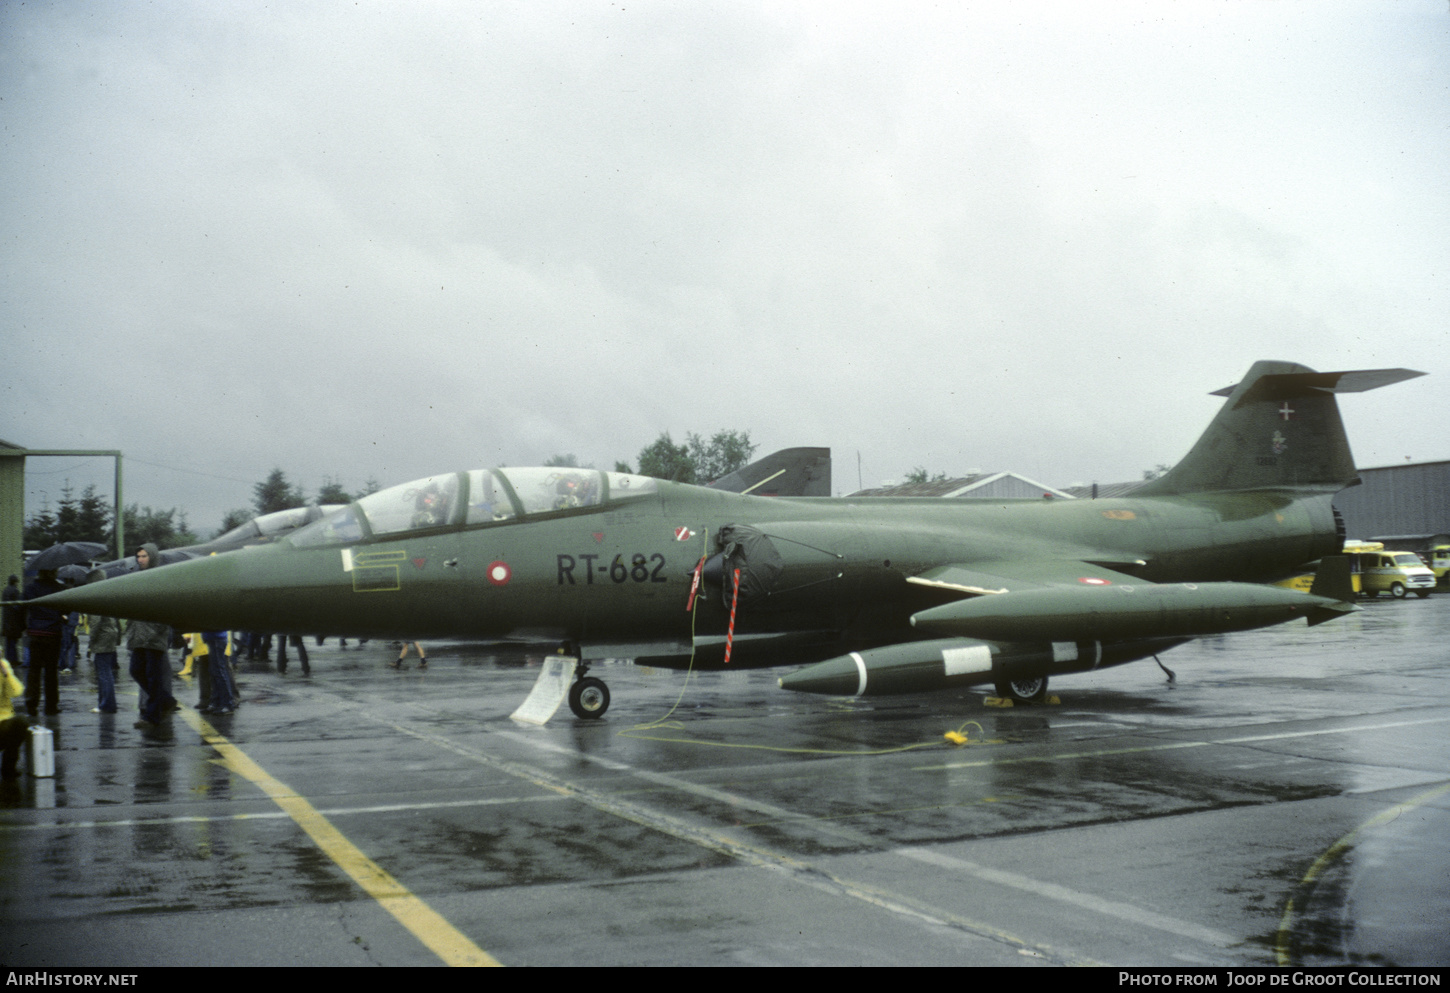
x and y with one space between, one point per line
1022 574
1043 600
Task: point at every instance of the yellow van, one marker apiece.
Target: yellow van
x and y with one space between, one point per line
1374 571
1440 563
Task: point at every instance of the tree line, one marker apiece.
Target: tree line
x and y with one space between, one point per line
89 517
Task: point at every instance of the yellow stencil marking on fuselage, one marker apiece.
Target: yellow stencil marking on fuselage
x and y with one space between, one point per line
377 572
426 924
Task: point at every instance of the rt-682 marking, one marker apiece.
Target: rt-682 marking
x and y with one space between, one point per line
637 569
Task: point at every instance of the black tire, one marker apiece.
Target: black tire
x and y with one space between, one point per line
589 698
1027 690
1397 590
1422 593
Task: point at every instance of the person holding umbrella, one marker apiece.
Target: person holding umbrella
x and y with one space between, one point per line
44 624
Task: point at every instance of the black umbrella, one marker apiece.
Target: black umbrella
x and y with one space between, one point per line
73 574
66 553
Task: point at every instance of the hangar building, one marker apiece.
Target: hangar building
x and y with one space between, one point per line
1409 499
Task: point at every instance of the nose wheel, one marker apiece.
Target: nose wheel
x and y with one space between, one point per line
588 698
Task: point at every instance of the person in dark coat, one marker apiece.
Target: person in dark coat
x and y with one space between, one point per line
43 627
14 621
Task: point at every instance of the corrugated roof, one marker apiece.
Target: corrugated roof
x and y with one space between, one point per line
965 487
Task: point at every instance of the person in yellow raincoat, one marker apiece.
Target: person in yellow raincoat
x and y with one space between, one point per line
12 727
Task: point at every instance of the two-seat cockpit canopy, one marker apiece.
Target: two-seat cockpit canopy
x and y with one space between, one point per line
477 497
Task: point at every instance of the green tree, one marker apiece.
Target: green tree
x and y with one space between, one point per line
571 460
40 530
697 460
919 475
67 512
666 460
725 452
162 528
332 492
93 518
234 519
623 467
274 493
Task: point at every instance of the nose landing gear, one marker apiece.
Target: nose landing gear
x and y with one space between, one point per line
588 697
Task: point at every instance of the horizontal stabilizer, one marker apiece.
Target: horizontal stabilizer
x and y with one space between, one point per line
1282 387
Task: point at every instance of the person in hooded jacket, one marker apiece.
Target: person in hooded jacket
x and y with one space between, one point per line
149 643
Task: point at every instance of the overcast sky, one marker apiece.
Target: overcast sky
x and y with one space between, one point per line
382 240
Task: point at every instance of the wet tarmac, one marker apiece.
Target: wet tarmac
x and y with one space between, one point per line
1286 801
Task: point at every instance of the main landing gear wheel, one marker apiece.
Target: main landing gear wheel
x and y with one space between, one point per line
588 698
1029 690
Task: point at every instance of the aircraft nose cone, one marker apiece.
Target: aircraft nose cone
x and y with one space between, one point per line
190 596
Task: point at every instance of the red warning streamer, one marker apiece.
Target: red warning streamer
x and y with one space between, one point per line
695 585
730 631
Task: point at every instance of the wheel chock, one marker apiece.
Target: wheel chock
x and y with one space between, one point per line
550 690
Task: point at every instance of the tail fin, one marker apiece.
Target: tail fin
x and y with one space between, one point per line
789 472
1279 429
1332 579
1333 583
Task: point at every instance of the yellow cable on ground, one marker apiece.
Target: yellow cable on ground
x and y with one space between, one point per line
690 669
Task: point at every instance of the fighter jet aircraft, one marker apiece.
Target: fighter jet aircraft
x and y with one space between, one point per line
894 595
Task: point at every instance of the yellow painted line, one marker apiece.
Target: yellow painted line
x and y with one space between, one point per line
1334 852
426 924
713 840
